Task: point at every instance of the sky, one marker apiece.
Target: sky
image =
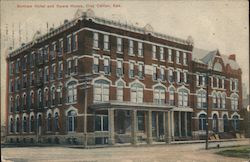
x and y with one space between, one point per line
222 25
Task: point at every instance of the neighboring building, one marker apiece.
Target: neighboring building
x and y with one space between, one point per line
144 86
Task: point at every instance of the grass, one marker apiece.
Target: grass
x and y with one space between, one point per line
240 152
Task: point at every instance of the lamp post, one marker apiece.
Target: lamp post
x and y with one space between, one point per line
84 80
207 96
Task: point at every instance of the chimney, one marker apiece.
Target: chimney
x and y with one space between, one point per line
232 57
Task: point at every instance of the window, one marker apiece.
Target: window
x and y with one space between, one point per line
170 76
101 123
106 66
215 123
140 71
140 49
17 103
52 51
46 74
11 107
96 65
49 123
24 102
119 69
24 81
171 96
161 53
75 41
234 102
17 65
170 57
214 101
131 70
75 65
183 97
178 57
11 86
53 96
95 40
25 61
39 98
60 94
32 78
154 73
235 123
25 124
178 75
185 77
218 101
11 124
202 122
39 121
201 100
223 100
32 99
185 58
136 93
153 52
106 42
32 124
56 122
71 92
72 121
32 59
140 121
40 55
119 44
60 48
69 66
101 91
162 74
69 43
223 83
119 94
225 123
131 47
159 95
60 69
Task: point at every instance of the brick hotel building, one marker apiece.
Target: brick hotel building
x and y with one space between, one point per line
103 82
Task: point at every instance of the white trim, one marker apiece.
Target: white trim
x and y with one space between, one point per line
37 115
183 87
17 116
120 80
71 108
159 84
71 79
49 111
56 110
101 77
136 81
201 112
224 113
215 112
32 114
171 86
235 114
24 115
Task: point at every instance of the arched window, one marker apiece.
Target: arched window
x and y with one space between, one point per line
101 91
24 124
17 103
214 101
72 123
218 101
17 124
183 97
32 124
49 123
59 94
235 122
32 99
234 102
53 96
223 101
119 94
225 123
71 92
202 122
46 97
11 124
56 122
215 123
171 96
136 93
159 95
201 100
24 102
11 104
39 121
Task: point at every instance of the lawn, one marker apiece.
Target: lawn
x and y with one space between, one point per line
241 152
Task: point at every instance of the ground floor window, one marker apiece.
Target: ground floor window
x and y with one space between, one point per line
225 123
72 123
140 121
101 123
235 123
202 122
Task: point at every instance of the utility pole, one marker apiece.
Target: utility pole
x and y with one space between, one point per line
207 95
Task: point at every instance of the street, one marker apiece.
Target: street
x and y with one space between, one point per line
156 153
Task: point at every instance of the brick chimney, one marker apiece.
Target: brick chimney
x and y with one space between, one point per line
232 57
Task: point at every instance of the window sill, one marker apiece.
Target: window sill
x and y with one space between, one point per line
162 60
118 52
131 54
106 50
96 48
72 103
141 56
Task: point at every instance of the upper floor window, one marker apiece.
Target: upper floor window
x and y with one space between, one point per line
25 61
119 93
60 69
53 96
170 75
119 69
119 44
131 70
95 40
234 102
11 67
60 48
140 49
153 52
46 74
200 80
53 51
201 100
140 71
106 42
154 73
159 95
185 60
75 41
183 97
46 53
17 65
131 47
170 56
101 91
161 53
214 101
178 57
171 96
185 77
96 64
69 43
162 74
72 92
178 76
46 97
53 72
223 101
106 66
59 94
136 93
